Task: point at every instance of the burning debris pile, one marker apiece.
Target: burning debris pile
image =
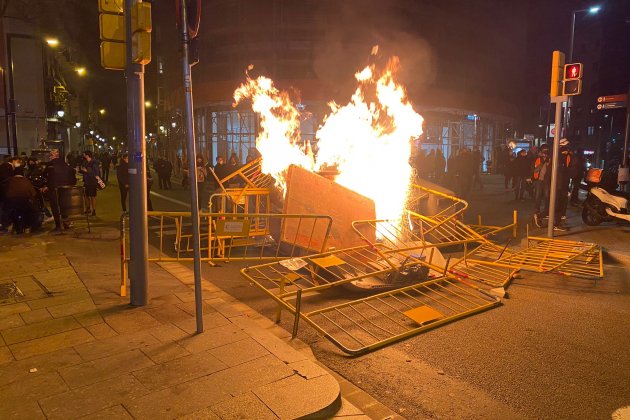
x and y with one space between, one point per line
368 140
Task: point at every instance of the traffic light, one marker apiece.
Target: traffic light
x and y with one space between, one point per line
112 31
557 64
572 81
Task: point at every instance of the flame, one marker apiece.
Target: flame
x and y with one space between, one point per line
368 140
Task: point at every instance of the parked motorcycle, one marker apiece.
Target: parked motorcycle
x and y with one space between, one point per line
604 203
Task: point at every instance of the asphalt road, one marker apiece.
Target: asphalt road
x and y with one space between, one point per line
558 348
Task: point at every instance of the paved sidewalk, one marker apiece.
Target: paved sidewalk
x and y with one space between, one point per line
71 347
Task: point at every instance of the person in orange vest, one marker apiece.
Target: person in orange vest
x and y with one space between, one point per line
541 169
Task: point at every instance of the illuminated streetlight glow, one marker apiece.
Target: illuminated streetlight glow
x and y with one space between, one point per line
594 9
101 111
92 132
173 124
80 71
148 104
52 42
114 138
61 113
78 124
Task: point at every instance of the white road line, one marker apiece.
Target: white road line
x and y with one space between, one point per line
172 200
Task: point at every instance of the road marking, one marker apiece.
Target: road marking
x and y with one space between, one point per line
172 200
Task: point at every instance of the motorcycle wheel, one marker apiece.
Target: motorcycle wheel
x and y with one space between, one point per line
590 216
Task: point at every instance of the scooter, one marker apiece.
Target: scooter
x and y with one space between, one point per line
604 203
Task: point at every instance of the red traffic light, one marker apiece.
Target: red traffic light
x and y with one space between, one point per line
572 71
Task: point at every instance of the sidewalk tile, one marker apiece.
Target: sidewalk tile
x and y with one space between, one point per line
26 409
165 351
72 308
176 402
239 352
131 320
5 355
246 406
347 410
11 321
179 370
14 308
307 369
186 296
115 412
168 313
295 396
272 343
60 299
50 343
210 321
116 344
105 368
39 329
190 308
203 414
167 299
37 315
37 385
226 309
212 338
50 362
89 318
101 331
167 332
93 398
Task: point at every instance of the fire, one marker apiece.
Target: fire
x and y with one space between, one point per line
368 140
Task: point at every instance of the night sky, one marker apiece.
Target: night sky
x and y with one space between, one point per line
548 27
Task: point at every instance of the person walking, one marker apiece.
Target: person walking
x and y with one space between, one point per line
122 174
90 171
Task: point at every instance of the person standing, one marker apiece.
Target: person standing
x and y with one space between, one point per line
159 169
201 179
122 174
58 174
477 158
168 172
90 171
440 165
521 169
541 171
578 169
106 161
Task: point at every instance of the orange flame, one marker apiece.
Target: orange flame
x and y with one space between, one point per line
368 140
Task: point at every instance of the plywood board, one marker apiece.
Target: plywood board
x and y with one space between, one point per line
310 193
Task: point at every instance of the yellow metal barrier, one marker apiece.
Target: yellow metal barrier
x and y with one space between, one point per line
490 230
229 237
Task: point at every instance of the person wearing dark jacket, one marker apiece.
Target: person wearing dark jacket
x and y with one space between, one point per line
520 171
90 171
122 174
19 198
58 174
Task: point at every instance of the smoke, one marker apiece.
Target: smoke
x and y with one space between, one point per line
353 27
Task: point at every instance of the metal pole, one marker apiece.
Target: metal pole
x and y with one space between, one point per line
192 167
6 109
12 95
138 230
554 167
567 111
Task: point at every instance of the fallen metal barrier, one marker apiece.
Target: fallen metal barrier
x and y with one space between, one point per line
569 258
490 230
412 299
245 200
229 237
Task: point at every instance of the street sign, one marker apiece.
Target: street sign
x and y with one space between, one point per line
613 98
611 105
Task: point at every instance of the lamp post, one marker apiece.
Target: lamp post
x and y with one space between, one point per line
591 11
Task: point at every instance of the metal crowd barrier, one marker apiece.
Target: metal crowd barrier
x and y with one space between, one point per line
229 237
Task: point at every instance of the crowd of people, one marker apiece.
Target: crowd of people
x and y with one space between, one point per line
29 187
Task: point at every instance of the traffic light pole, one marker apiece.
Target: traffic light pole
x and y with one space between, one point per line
192 165
138 230
624 172
554 165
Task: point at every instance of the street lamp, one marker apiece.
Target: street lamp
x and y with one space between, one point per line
148 104
101 111
80 71
61 113
591 11
52 42
78 124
